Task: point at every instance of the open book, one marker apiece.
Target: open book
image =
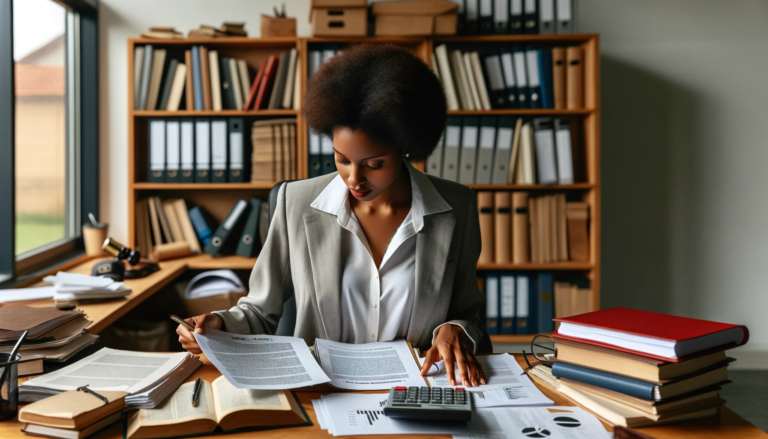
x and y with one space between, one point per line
220 404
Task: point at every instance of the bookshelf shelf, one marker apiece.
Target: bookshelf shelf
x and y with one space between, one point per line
203 186
184 113
525 338
522 112
548 266
206 262
536 187
559 38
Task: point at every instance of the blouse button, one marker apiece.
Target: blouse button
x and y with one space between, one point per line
373 335
374 305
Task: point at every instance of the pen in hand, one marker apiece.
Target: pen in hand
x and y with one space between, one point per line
181 322
196 392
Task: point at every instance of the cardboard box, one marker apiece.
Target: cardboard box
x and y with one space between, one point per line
414 18
339 22
195 307
277 27
338 4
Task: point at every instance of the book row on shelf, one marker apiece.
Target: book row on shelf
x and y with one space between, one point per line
517 76
533 17
174 220
203 80
518 228
525 303
203 150
507 150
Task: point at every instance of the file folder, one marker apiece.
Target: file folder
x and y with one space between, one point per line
226 229
156 150
546 306
507 303
468 153
326 154
510 86
522 309
564 156
487 143
187 151
236 150
452 145
504 135
492 303
219 150
495 79
200 225
521 77
173 151
534 84
250 244
202 151
544 135
435 160
486 17
516 17
531 17
501 16
545 78
546 17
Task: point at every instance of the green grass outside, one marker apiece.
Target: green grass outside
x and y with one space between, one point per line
35 230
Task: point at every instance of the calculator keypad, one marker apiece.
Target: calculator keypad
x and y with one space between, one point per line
429 403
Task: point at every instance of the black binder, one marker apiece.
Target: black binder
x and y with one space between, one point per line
237 150
229 227
486 17
227 90
461 25
521 76
494 78
531 17
508 67
471 13
501 16
250 244
516 17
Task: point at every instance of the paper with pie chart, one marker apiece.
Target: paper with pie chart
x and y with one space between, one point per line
534 423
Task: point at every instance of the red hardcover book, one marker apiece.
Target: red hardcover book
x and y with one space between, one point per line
651 334
266 82
255 86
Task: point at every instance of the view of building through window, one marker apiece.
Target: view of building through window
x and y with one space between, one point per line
41 134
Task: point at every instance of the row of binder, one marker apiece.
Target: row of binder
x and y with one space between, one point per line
321 159
515 17
199 150
517 76
507 150
243 232
518 228
525 303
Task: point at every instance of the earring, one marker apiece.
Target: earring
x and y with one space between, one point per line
407 155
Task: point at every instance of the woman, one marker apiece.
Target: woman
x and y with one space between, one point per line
379 251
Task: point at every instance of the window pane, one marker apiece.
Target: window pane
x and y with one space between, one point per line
41 119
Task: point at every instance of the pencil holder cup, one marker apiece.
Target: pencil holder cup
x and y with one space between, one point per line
9 386
94 237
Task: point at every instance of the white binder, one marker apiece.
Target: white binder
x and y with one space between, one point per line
504 135
507 303
173 150
452 145
219 149
444 65
565 23
187 150
156 150
468 153
546 16
487 142
545 150
435 160
202 149
564 157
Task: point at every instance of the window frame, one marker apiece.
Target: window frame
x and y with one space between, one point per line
82 140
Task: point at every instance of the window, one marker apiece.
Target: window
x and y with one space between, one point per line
48 130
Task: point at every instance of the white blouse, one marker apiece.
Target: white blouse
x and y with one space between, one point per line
376 302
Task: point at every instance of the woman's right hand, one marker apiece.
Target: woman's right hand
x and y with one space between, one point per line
187 338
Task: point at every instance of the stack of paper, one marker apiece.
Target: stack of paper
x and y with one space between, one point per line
74 287
148 377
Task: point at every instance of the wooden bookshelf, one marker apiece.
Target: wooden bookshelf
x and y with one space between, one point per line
217 198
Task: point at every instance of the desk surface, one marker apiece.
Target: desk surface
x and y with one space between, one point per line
729 424
104 314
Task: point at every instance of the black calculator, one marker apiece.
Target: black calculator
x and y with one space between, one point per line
429 403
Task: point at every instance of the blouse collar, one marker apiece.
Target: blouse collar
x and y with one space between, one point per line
426 200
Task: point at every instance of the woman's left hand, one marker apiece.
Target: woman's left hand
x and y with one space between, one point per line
451 346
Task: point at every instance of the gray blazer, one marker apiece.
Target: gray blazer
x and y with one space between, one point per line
302 257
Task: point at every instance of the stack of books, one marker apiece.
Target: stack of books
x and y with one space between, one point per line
54 337
274 150
72 414
635 368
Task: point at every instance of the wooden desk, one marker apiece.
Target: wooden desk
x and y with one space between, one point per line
104 314
728 425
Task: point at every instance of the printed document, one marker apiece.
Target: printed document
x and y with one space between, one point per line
265 362
505 383
369 366
528 422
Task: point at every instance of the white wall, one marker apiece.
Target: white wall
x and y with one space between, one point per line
684 129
